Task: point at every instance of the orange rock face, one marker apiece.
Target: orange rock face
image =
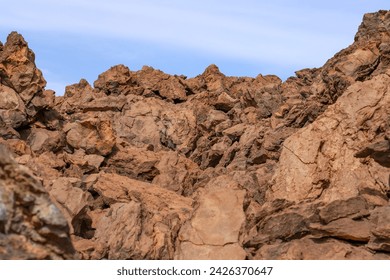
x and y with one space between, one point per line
145 165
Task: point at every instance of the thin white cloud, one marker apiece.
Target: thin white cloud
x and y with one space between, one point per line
253 32
257 31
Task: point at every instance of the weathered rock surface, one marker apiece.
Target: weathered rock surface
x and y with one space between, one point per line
145 165
31 226
213 230
21 83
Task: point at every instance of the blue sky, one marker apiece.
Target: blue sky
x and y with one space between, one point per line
77 39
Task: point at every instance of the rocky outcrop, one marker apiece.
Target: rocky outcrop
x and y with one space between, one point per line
145 165
321 168
21 84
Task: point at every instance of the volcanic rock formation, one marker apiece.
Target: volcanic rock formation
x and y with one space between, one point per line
145 165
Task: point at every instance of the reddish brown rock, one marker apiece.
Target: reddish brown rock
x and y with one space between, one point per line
21 83
136 220
213 231
31 226
146 165
319 249
95 136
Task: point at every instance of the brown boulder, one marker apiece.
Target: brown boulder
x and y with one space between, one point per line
22 83
136 221
92 135
316 249
31 226
213 231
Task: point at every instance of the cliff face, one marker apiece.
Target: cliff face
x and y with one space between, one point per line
145 165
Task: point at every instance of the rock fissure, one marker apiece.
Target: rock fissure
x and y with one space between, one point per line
292 152
213 245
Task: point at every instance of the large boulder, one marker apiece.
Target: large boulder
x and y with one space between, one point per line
31 226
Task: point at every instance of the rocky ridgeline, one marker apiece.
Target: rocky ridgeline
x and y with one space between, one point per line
145 165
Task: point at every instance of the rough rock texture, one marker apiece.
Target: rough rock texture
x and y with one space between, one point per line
214 228
145 165
31 226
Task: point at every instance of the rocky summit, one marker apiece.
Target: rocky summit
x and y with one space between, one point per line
146 165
